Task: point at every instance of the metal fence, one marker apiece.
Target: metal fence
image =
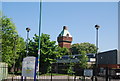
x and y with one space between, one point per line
3 70
55 69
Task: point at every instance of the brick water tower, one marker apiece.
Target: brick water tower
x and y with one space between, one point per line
64 39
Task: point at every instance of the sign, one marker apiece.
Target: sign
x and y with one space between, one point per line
88 72
29 66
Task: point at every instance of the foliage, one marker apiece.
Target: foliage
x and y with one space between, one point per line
12 44
85 48
70 69
48 51
21 52
0 36
0 13
83 61
8 34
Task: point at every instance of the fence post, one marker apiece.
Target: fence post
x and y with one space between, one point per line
83 78
92 78
25 78
12 79
107 78
21 78
75 78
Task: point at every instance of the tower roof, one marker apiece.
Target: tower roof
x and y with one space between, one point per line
65 32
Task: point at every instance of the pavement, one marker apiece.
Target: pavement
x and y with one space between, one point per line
58 78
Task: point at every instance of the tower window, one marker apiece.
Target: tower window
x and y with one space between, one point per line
67 35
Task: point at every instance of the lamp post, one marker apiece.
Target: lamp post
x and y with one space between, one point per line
40 24
97 27
27 29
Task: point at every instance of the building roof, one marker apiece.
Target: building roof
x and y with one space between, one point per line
75 58
65 32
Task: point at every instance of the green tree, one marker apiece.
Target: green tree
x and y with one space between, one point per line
49 51
85 47
0 36
83 60
70 66
20 46
12 44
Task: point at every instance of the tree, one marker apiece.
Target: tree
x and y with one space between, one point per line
12 43
70 66
20 52
85 47
49 51
82 49
83 61
0 36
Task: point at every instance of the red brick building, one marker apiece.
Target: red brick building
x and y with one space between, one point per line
64 39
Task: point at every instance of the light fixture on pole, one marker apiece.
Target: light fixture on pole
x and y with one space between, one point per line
27 29
97 27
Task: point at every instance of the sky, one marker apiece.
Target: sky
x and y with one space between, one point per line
60 0
79 17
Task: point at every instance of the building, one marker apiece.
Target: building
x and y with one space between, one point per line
62 63
76 58
109 59
109 63
64 39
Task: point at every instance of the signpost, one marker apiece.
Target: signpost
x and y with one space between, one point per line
29 65
88 72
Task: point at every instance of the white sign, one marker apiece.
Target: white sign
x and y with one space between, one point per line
88 72
28 66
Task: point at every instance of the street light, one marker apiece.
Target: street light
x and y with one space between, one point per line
97 27
27 29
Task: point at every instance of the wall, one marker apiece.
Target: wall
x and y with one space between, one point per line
108 57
